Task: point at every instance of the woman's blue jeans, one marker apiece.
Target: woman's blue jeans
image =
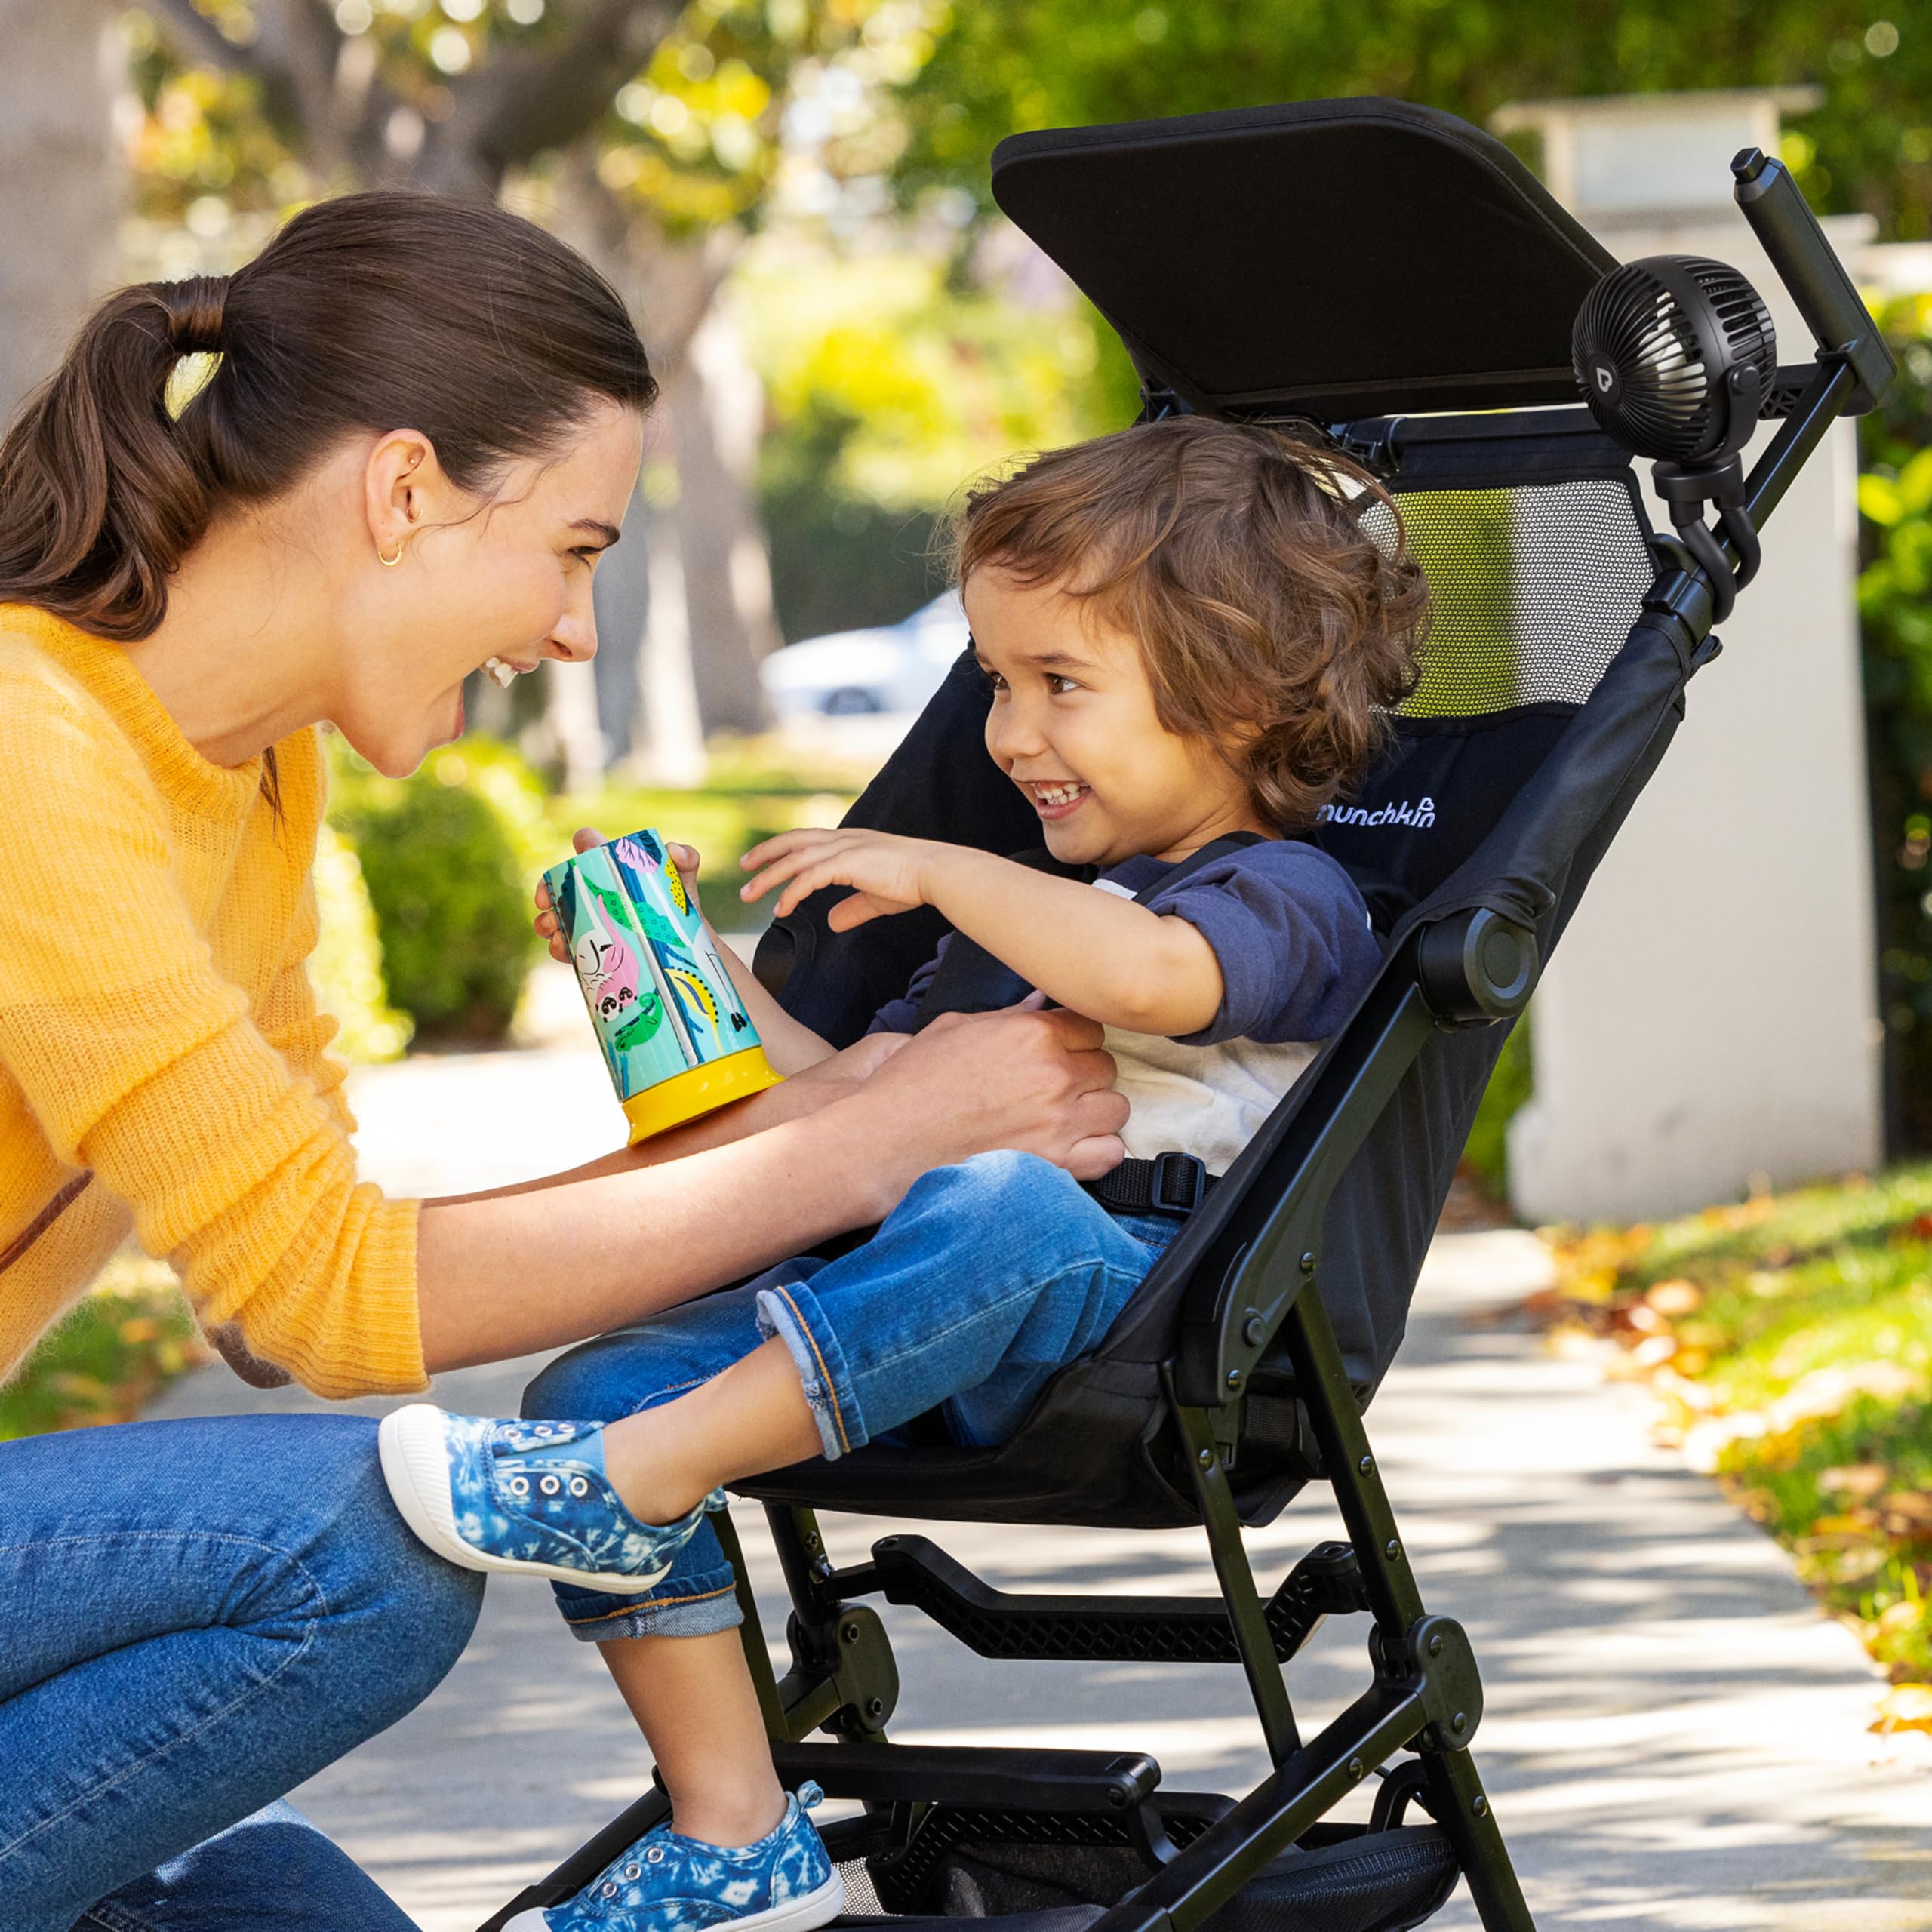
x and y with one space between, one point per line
194 1617
987 1278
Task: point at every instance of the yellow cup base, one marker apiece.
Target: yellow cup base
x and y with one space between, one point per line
701 1089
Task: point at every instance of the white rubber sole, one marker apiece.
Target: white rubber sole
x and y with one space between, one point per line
815 1909
416 1467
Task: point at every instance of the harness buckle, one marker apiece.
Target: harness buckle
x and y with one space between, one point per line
1180 1182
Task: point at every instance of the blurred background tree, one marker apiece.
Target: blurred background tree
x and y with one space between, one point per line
61 155
999 68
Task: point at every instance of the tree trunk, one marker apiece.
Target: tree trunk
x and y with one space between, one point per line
59 78
706 425
670 742
718 408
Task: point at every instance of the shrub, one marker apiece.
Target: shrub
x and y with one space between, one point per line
1895 605
347 963
449 857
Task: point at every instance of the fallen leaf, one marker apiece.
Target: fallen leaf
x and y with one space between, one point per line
1862 1480
1853 1523
1907 1512
1675 1298
1904 1707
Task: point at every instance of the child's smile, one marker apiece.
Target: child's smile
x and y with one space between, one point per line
1074 725
1054 800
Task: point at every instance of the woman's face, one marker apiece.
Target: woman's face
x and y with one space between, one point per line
506 576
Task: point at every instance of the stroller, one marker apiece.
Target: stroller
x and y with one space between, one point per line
1391 281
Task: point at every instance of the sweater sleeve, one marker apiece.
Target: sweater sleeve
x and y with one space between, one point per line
292 1023
142 1061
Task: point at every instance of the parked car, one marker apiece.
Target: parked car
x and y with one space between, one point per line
889 668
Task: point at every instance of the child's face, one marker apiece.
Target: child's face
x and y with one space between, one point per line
1073 726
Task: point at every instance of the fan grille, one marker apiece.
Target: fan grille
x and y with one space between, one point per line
1666 404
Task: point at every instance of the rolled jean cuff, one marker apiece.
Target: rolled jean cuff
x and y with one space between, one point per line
703 1603
788 1308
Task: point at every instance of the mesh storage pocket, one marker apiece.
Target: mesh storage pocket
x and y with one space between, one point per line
1535 586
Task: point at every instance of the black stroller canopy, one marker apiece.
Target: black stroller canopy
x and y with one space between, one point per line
1334 259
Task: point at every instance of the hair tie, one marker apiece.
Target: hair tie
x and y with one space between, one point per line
194 309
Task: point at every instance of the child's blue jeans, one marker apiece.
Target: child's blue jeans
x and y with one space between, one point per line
985 1279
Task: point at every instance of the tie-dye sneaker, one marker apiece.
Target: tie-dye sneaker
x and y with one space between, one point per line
664 1883
529 1497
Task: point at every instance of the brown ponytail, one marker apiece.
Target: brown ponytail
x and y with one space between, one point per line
365 313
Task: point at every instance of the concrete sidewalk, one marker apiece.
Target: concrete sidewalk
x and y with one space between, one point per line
1675 1738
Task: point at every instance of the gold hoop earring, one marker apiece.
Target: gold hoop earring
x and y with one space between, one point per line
389 563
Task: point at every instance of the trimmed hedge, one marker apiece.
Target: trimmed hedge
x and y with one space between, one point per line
450 856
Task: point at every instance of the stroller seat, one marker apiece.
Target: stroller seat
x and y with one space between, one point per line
1389 280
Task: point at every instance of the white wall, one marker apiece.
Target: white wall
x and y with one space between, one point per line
1712 1014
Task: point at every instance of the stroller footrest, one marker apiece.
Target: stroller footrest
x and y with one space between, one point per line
1104 1782
914 1571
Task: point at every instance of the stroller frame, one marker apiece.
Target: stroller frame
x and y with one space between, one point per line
1249 1304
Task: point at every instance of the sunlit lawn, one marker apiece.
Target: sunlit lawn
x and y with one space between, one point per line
1791 1340
754 790
123 1341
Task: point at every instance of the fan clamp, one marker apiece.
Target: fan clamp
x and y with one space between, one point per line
1675 355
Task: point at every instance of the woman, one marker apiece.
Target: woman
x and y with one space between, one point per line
424 426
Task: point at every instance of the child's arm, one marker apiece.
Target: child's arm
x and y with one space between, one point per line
790 1046
1094 951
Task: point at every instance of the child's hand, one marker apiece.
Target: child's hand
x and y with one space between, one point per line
684 857
888 872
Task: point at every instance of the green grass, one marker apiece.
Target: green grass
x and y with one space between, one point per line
750 795
1791 1338
123 1342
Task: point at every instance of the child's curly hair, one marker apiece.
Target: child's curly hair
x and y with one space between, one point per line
1272 621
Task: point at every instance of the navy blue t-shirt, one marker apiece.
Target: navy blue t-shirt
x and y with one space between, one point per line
1289 929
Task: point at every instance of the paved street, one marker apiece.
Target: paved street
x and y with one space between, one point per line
1675 1739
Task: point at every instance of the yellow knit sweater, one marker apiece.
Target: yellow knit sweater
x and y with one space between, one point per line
162 1061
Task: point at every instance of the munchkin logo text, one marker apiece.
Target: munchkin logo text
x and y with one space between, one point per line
1421 814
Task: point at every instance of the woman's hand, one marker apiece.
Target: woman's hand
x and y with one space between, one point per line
839 1075
890 874
684 857
1035 1081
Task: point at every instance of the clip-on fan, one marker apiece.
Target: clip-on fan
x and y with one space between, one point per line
1674 354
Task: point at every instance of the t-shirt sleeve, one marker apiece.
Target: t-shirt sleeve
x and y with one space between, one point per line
902 1015
1291 935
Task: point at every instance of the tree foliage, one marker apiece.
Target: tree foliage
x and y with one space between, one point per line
1002 65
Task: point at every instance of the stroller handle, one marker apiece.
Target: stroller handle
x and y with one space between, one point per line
1809 267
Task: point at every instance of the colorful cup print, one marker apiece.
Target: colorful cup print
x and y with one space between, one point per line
676 1039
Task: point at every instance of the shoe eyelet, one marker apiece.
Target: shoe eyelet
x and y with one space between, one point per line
549 1485
518 1485
608 1892
655 1856
633 1872
578 1486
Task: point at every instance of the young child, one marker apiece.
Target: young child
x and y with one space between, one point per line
1189 634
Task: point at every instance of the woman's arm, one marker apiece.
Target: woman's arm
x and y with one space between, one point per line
1094 951
509 1273
836 1077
